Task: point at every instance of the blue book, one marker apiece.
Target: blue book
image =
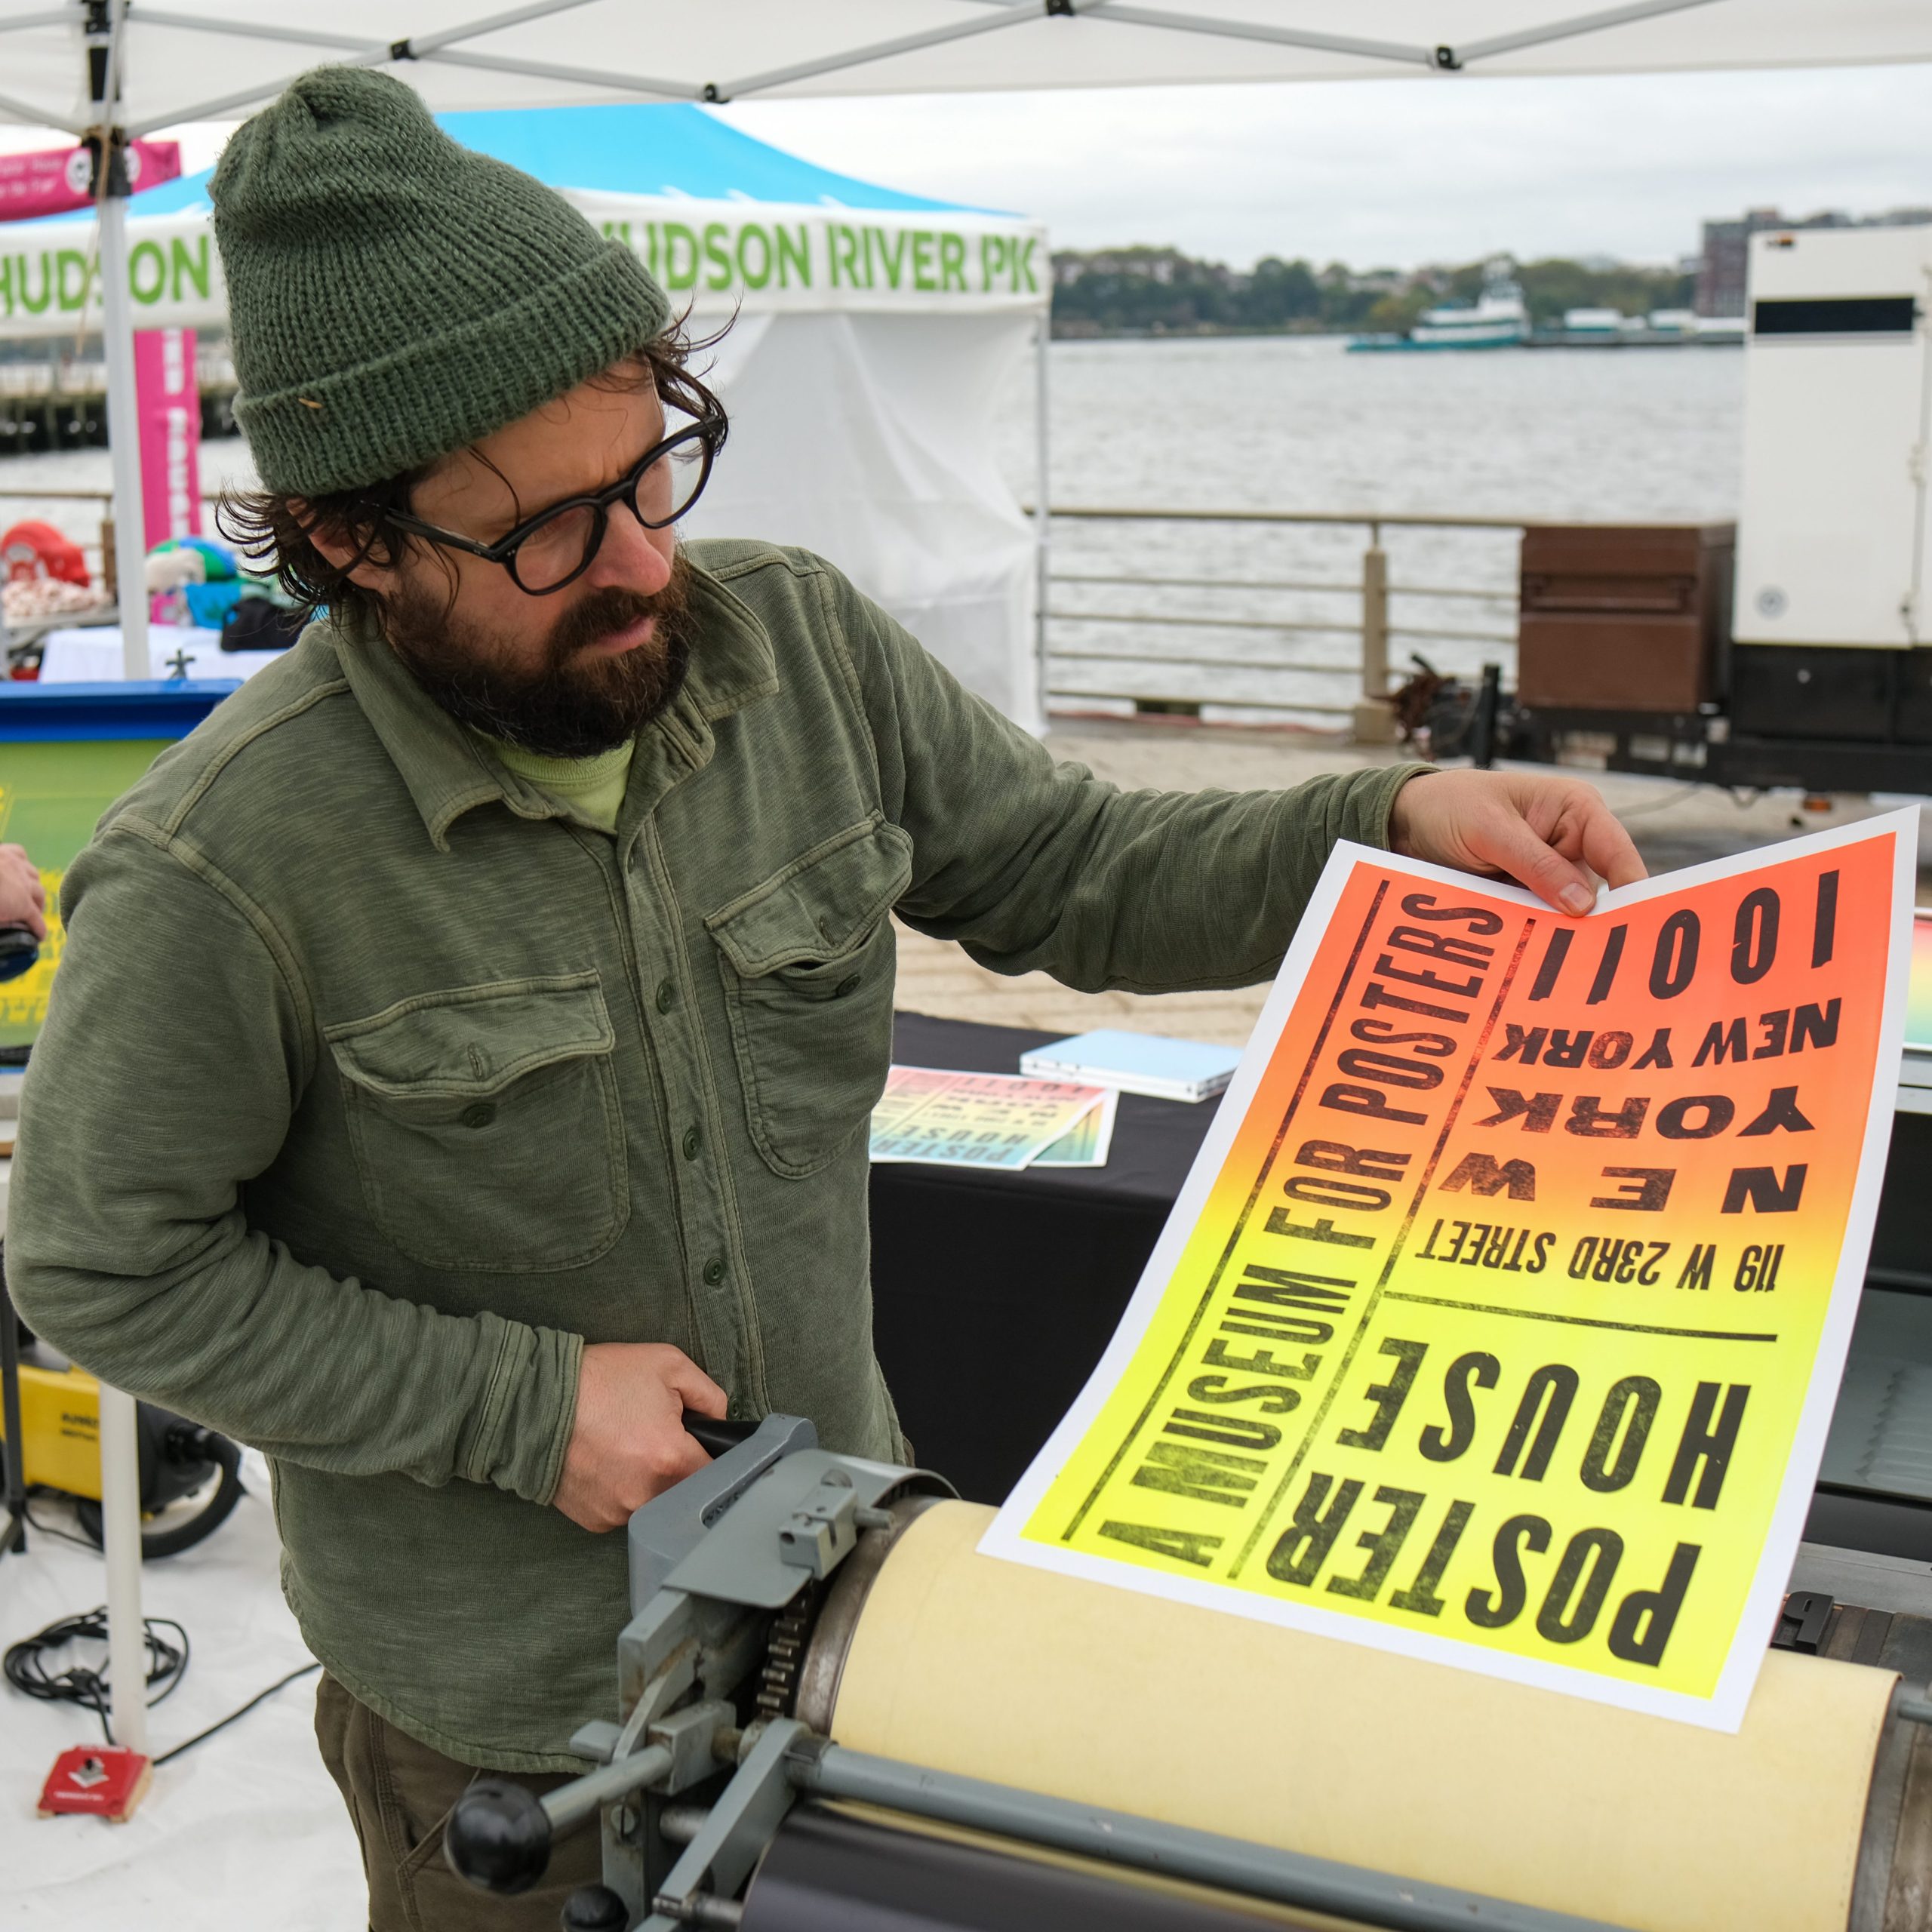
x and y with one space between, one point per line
1146 1063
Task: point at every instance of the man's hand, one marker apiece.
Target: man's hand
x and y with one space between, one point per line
23 897
1551 833
629 1440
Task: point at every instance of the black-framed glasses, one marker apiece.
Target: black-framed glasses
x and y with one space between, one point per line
557 546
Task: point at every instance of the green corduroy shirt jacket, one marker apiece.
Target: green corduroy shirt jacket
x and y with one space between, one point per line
373 1087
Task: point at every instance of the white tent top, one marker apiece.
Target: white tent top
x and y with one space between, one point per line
216 58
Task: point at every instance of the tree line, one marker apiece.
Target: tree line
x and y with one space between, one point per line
1163 291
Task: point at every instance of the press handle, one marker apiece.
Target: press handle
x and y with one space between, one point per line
19 950
498 1836
715 1436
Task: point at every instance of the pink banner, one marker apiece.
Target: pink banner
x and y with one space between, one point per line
53 181
167 399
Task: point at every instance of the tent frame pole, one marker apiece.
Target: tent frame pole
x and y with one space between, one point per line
1275 36
1043 517
104 44
1616 17
124 437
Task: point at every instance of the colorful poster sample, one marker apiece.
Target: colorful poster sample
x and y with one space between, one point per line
1089 1141
1500 1320
974 1120
1918 999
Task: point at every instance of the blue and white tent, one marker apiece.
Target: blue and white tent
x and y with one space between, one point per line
872 334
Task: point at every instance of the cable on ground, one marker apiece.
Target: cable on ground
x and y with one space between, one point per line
27 1668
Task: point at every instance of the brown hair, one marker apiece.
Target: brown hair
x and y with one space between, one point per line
274 529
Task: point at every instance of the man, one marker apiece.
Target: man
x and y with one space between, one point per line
461 1062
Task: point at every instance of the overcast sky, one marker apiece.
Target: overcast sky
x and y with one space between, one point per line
1378 173
1395 173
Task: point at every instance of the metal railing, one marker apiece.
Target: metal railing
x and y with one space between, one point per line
1361 635
1360 619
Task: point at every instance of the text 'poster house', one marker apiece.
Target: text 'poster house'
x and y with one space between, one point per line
1501 1318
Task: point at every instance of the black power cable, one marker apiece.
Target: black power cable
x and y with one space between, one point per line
25 1663
26 1669
221 1724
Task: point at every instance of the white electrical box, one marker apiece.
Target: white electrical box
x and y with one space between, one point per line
1833 530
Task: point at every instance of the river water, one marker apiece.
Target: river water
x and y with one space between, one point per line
1295 424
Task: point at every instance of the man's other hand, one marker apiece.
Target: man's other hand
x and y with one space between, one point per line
629 1441
1552 834
23 897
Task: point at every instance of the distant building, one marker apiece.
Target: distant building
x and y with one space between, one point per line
1164 266
1721 269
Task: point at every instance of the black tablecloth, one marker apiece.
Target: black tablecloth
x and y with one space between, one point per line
994 1293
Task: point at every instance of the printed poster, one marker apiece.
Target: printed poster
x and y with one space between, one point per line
1919 998
993 1121
1090 1139
1501 1318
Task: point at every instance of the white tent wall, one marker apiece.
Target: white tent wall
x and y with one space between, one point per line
869 439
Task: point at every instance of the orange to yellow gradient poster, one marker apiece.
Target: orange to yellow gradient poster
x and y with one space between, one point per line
1501 1318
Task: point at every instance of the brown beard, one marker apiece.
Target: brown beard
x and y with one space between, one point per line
571 705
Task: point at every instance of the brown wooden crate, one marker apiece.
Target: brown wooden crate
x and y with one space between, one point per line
1624 550
1614 663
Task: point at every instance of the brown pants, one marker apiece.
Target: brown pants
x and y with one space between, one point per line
399 1793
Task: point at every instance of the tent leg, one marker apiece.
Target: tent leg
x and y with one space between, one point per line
120 1543
124 436
1042 514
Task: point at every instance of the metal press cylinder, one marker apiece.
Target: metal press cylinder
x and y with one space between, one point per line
1815 1817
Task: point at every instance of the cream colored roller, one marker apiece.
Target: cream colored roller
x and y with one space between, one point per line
1110 1697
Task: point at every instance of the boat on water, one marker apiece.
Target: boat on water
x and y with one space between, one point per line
1498 318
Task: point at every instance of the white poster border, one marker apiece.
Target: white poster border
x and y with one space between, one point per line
1724 1709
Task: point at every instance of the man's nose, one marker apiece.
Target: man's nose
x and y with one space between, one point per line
631 558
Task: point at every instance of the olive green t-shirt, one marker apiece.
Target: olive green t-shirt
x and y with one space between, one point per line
590 789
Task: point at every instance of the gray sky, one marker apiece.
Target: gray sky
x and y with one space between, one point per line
1394 173
1376 173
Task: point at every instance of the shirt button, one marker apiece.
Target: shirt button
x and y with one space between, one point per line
714 1272
479 1114
667 994
846 986
691 1142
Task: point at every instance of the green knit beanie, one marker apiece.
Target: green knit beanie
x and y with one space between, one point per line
392 296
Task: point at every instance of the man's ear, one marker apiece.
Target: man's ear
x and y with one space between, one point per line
335 547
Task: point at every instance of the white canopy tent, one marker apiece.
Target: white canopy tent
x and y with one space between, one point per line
220 56
90 66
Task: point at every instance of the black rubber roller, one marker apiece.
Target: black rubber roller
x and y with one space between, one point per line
498 1837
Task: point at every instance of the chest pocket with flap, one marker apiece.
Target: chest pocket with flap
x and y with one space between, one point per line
807 959
485 1123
